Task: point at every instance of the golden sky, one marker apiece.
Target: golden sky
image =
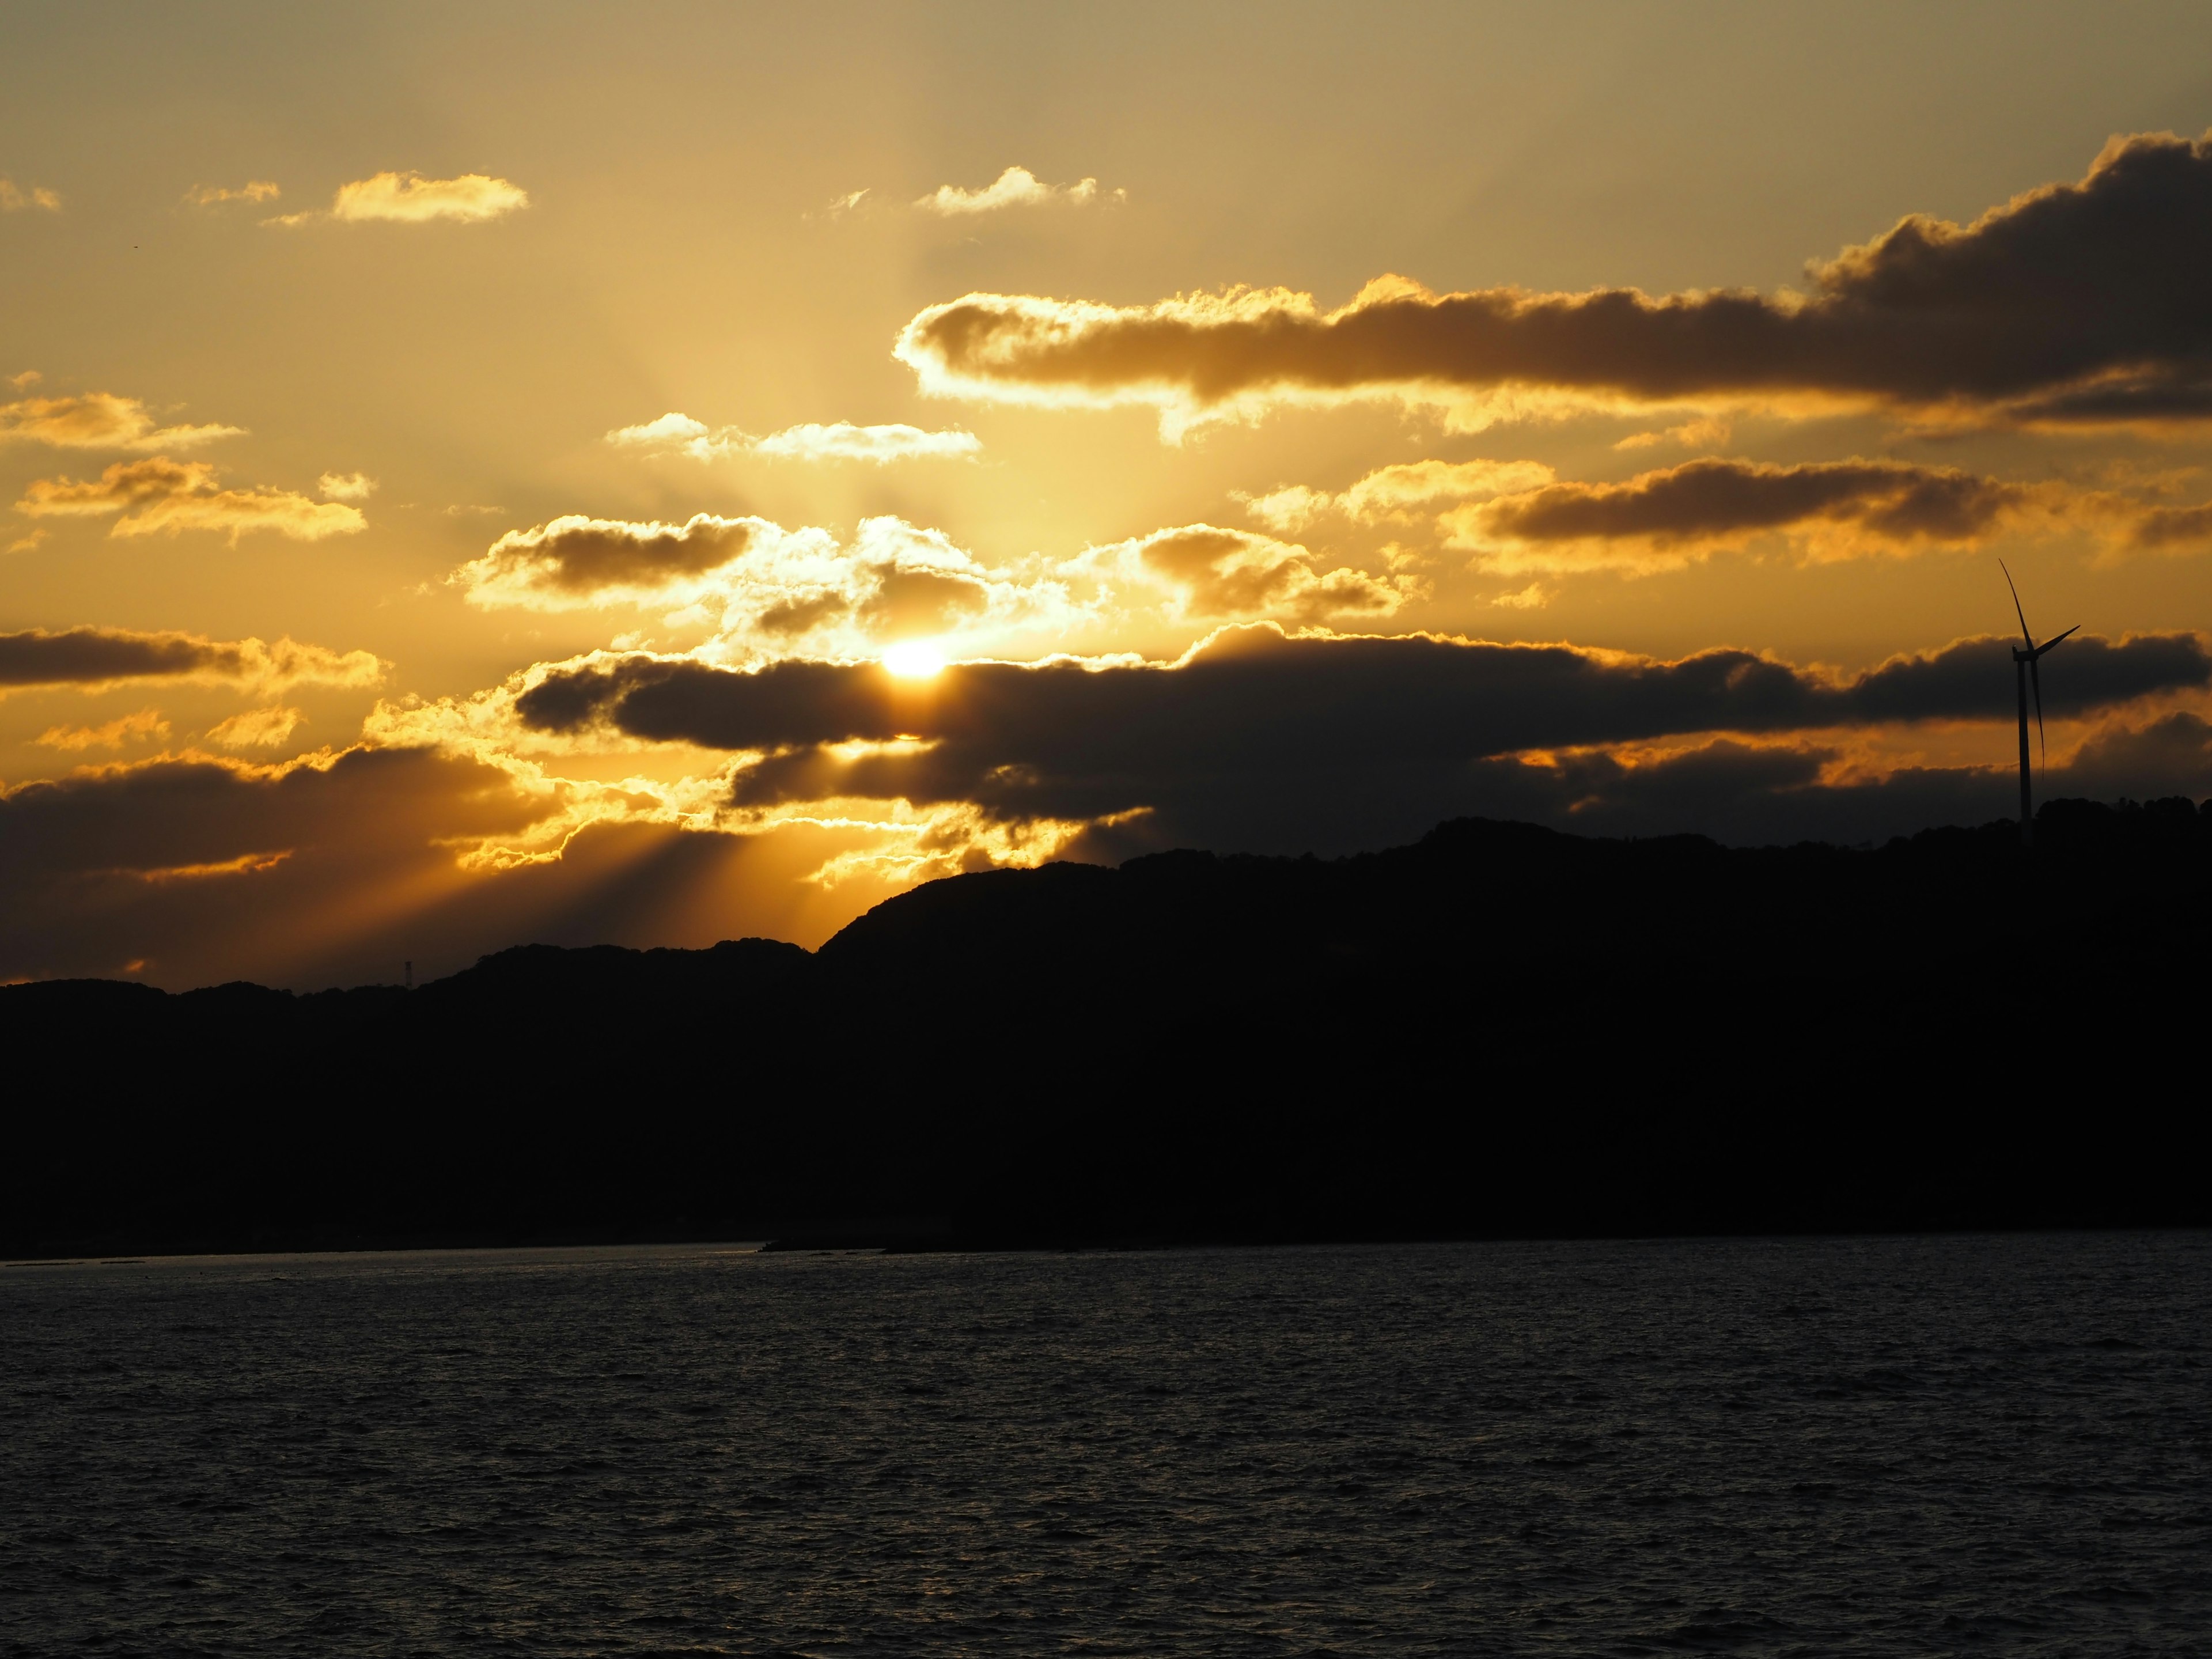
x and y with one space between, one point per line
477 474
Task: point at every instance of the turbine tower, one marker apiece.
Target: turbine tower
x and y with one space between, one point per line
2024 674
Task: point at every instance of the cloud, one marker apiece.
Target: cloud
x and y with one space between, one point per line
411 199
207 866
1258 740
1657 520
25 543
1016 187
163 495
256 728
15 200
147 725
254 190
2172 529
1211 573
1397 493
93 658
579 561
346 486
769 591
2088 302
676 433
97 420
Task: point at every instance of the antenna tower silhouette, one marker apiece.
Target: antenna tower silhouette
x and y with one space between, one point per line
2025 675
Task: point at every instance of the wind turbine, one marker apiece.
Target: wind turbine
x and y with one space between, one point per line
2024 674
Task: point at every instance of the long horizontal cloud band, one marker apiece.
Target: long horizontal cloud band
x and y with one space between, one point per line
1097 739
102 656
2087 300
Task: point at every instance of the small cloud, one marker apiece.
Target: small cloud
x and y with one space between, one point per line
98 420
1713 432
165 496
29 377
838 206
679 434
346 486
1016 187
471 510
409 198
254 190
147 725
1531 598
1395 492
256 728
13 200
25 543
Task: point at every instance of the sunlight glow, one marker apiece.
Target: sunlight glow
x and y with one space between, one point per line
915 660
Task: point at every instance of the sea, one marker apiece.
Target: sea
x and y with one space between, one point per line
1801 1446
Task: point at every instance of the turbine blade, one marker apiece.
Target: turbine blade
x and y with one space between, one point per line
2016 610
2035 680
2054 639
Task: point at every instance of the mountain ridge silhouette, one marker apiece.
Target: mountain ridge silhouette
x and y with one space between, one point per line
1498 1029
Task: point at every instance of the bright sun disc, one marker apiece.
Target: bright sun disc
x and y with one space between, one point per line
913 661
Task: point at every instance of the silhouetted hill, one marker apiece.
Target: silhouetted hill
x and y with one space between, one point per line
1498 1030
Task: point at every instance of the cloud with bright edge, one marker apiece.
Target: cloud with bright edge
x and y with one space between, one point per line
160 495
676 433
1014 188
2083 303
254 190
96 659
768 591
1396 493
147 725
97 420
256 728
409 198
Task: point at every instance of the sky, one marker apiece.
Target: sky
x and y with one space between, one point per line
476 474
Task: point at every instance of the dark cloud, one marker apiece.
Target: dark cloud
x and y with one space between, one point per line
2172 529
2074 301
1710 499
1261 741
574 557
101 656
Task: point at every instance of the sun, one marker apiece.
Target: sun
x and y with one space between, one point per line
916 659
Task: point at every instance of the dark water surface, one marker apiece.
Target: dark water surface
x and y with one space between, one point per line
1892 1446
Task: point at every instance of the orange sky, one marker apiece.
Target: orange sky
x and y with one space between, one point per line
466 467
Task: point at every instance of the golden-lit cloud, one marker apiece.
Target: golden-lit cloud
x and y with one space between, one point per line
579 561
676 433
1017 187
147 725
166 496
409 198
2088 302
254 190
256 728
15 199
93 658
346 486
97 420
1661 520
1398 493
1254 739
2172 530
768 591
1212 574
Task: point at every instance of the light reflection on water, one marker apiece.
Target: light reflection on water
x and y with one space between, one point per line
1879 1446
